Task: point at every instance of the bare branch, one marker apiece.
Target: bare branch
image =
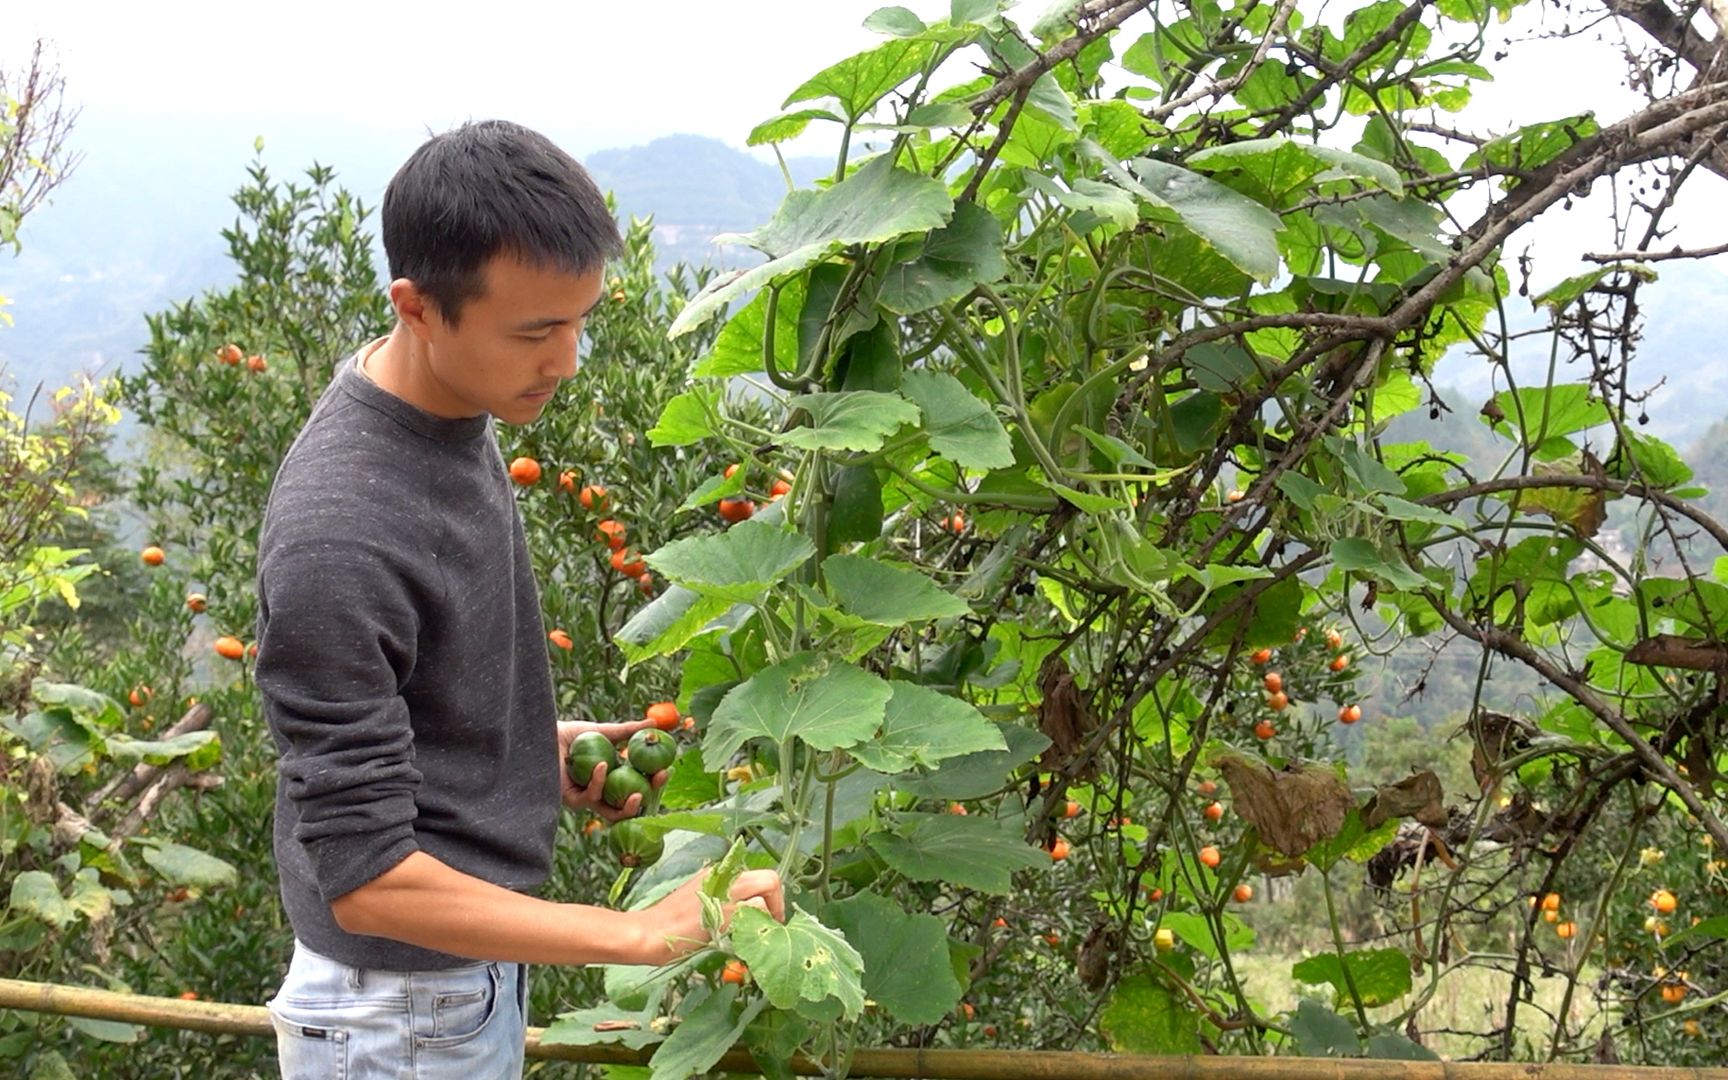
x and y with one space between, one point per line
1676 252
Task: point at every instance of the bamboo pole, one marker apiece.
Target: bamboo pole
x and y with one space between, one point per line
888 1064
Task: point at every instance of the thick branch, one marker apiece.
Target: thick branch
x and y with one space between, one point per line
1108 15
1668 29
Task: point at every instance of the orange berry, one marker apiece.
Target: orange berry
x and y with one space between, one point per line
561 639
567 481
968 1011
1264 656
1664 901
1349 714
1243 893
1265 730
779 490
591 826
1234 496
1339 662
663 715
735 509
1550 916
229 648
256 365
957 809
612 532
1206 787
619 297
1214 811
1334 639
645 584
627 562
1059 850
1210 857
1278 701
1551 902
139 695
955 523
525 471
1000 923
196 603
1072 809
1673 993
735 972
1053 939
989 1031
592 497
1155 894
1566 929
731 470
229 354
1274 682
188 995
153 556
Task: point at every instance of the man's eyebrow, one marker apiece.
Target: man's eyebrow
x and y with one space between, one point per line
553 320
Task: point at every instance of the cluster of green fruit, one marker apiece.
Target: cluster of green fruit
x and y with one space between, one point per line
649 751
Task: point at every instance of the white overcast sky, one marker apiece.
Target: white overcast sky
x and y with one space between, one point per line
597 75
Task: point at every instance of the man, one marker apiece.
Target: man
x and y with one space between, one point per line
402 659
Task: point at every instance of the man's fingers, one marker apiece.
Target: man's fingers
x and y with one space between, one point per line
762 886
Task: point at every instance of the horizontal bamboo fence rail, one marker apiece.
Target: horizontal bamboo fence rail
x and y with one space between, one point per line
892 1064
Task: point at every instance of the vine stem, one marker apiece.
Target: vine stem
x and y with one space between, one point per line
1338 945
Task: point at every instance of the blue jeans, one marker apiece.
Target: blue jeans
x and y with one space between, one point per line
335 1022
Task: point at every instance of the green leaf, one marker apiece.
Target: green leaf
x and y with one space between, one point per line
972 852
180 865
1104 202
684 420
106 1030
713 489
50 1065
90 898
1085 501
1648 460
1382 976
1117 452
1145 1017
577 1028
1193 929
1539 413
668 624
1320 1032
35 893
961 254
974 775
1283 167
895 22
737 348
961 427
857 511
887 594
709 1027
800 962
1716 926
1558 297
849 420
737 565
906 968
1239 228
790 125
1534 145
163 751
874 204
924 727
1360 555
860 81
56 735
1391 1046
97 711
827 704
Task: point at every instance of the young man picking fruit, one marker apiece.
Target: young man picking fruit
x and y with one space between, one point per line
401 655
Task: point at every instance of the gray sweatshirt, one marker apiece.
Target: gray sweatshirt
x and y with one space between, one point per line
402 663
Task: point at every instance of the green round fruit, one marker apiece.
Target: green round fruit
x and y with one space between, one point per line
636 844
651 750
588 750
621 783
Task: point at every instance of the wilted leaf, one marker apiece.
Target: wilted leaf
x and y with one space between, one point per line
1419 796
1294 808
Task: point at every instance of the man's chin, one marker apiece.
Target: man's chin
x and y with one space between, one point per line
522 411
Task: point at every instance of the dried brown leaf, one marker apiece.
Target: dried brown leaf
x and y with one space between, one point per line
1293 808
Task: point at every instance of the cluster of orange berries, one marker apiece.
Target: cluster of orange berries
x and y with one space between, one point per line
232 355
738 508
227 646
594 498
1277 699
1551 914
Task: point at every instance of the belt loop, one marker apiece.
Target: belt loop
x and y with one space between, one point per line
353 978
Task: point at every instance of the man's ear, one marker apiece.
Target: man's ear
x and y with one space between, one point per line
414 309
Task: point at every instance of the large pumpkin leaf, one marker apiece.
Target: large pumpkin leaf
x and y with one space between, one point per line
923 727
826 703
906 967
961 427
972 852
711 1024
849 420
798 963
737 565
887 594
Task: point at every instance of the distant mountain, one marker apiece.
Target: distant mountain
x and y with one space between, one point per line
135 230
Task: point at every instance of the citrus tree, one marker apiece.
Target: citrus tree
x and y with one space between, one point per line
1080 371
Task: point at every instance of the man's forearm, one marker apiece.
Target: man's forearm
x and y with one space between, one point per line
425 902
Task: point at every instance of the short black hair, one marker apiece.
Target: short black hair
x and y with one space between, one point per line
486 188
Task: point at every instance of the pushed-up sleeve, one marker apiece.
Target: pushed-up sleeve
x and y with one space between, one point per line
337 632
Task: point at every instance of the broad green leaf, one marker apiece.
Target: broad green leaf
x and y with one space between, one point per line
1117 452
1360 555
1197 932
1241 230
35 892
737 349
713 489
668 624
107 1030
708 1028
1382 976
1086 501
1648 460
1320 1032
578 1028
877 203
895 22
1404 510
887 594
1716 926
1391 1046
90 898
1534 145
800 962
1145 1017
972 852
827 704
906 968
924 727
790 125
849 420
1105 202
99 712
1283 167
50 1065
163 751
685 420
961 254
1538 413
1558 297
979 773
962 428
737 565
180 865
860 81
857 511
56 735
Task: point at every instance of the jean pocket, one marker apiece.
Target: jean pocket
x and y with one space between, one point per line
461 1012
308 1047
